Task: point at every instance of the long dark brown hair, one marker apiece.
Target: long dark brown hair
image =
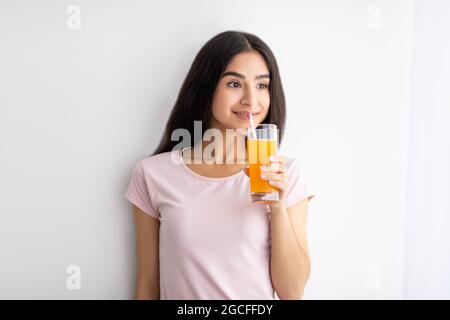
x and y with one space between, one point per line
195 98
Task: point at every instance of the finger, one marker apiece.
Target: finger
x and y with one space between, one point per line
277 158
278 184
273 177
273 167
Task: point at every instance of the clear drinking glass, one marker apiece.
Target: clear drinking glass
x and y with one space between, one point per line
259 149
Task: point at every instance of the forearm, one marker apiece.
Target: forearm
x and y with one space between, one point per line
144 294
289 264
147 290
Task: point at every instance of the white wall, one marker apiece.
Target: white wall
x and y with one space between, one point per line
80 107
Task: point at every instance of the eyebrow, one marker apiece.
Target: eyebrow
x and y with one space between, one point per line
236 74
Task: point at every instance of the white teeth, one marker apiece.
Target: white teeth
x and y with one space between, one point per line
245 114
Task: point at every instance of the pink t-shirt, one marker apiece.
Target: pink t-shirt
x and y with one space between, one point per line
213 242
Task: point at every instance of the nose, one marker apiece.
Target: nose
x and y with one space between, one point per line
249 98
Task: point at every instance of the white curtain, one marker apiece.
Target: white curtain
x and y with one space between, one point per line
427 254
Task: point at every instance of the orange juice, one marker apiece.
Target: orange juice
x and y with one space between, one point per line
259 152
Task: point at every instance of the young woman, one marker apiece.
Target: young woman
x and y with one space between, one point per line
198 234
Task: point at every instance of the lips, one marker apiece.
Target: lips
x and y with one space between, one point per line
244 115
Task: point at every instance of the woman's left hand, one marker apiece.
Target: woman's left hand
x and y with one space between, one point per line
276 175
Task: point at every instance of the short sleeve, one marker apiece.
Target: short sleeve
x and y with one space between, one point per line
299 187
138 191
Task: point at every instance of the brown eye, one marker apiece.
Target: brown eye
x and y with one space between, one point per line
233 84
263 86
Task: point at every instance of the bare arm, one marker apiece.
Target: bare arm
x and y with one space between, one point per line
147 249
290 262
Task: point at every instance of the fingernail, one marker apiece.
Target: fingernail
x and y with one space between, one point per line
263 168
263 176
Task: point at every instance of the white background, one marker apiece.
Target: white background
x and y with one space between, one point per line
80 107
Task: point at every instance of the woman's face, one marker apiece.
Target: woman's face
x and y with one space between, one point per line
243 88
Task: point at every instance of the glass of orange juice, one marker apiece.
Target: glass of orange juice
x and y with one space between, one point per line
260 148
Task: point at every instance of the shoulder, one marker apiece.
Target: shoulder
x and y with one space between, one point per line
160 166
151 164
288 160
160 161
294 168
299 183
291 162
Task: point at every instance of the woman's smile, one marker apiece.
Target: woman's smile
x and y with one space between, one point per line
244 115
